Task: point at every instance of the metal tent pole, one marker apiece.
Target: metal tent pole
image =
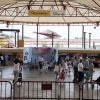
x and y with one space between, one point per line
82 36
89 40
37 35
18 40
84 40
52 40
68 34
15 39
22 32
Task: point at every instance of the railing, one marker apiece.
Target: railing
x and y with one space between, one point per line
47 90
91 91
5 90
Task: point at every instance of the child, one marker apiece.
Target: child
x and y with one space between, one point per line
87 75
62 75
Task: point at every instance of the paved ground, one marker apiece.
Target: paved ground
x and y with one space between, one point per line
35 75
66 90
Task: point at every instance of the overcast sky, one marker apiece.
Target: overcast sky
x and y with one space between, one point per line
75 31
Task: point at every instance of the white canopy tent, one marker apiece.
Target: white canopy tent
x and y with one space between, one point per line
77 11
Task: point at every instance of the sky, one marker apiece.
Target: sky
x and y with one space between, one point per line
75 31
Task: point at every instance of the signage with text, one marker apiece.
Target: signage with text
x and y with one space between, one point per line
58 13
39 13
46 13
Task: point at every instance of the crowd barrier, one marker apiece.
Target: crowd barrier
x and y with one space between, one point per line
91 91
49 90
5 90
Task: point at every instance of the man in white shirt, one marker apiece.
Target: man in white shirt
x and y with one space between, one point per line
80 70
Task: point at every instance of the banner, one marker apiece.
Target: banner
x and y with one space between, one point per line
46 13
40 50
39 13
57 13
45 52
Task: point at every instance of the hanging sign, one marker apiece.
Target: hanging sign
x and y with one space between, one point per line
57 13
39 13
46 13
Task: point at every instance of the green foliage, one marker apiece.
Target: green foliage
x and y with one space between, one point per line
58 45
5 35
44 44
11 36
78 38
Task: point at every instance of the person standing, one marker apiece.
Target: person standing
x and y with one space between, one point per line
66 67
2 60
91 66
85 64
6 60
16 69
41 60
80 70
67 57
63 63
75 66
57 71
51 65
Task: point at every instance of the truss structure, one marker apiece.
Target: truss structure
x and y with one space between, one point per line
76 12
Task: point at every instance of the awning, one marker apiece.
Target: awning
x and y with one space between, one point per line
77 11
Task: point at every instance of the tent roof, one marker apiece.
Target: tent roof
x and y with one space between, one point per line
48 33
77 11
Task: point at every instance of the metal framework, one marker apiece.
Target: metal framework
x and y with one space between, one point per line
20 9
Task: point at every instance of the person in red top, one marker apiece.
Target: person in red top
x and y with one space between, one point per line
62 75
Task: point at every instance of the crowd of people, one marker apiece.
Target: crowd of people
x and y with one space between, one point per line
83 67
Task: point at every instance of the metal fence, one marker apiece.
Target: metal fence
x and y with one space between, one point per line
91 91
5 90
47 90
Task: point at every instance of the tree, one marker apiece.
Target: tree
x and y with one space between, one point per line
57 45
44 44
5 35
78 38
